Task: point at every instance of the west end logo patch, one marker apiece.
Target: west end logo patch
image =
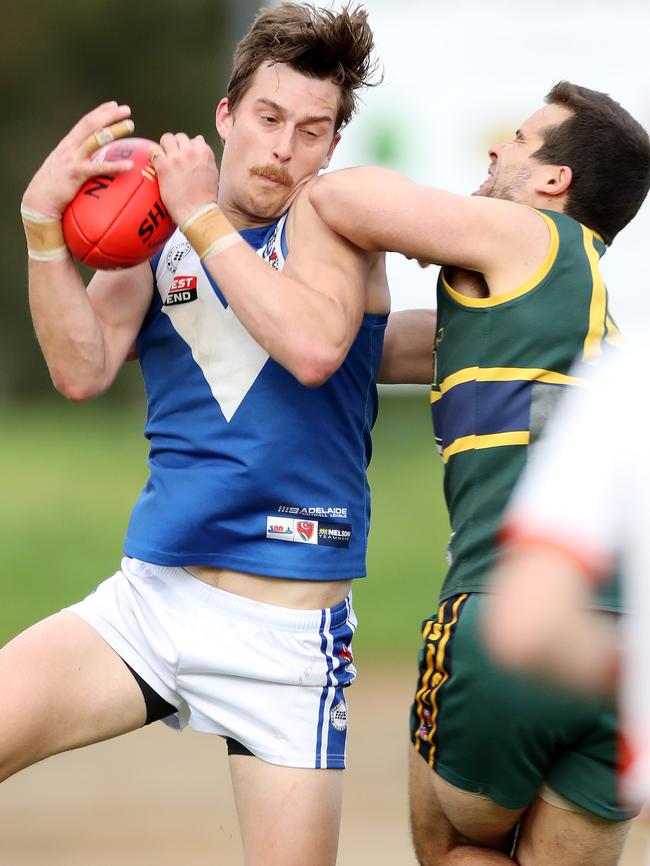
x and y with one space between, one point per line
182 291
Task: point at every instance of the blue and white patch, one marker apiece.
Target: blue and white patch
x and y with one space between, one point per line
339 716
280 528
176 255
289 529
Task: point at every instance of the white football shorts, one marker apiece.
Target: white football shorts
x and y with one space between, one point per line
270 677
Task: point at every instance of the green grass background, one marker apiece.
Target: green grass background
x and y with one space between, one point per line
70 473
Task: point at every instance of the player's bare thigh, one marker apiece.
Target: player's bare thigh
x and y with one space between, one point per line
288 816
551 836
453 826
445 819
62 687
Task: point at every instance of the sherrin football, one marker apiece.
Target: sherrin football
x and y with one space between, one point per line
117 221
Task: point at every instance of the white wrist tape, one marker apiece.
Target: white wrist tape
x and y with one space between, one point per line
45 241
209 231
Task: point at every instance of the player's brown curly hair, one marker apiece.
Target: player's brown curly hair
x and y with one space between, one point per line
319 43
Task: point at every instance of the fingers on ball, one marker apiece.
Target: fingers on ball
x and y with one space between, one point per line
106 134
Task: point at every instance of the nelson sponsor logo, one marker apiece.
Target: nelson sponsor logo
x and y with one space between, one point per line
182 291
280 528
334 534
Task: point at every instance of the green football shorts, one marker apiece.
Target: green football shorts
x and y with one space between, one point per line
490 732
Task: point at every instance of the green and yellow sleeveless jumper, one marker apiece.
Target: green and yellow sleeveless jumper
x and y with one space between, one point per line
499 366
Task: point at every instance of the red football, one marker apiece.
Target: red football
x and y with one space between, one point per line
117 221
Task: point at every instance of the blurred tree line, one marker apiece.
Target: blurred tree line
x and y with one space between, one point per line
169 61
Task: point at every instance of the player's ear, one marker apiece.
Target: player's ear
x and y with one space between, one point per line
554 180
330 151
223 119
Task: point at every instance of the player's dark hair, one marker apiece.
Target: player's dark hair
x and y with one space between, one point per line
608 152
319 43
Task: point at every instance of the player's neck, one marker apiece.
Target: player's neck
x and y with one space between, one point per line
242 219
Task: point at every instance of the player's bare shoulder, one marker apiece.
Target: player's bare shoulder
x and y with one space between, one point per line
520 241
306 229
303 221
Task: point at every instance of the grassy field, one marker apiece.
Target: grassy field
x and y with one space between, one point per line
70 473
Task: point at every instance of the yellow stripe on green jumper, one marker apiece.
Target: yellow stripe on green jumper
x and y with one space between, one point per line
430 645
593 346
440 667
490 440
613 337
504 374
530 284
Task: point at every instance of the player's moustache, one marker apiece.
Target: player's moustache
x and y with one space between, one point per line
281 175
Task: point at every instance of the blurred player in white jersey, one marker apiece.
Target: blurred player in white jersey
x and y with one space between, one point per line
580 516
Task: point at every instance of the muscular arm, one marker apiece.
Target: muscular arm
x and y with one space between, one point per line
307 316
85 335
379 209
408 348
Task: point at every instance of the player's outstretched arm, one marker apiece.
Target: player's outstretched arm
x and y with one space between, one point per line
378 209
307 316
84 336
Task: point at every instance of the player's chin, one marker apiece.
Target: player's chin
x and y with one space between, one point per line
271 206
486 190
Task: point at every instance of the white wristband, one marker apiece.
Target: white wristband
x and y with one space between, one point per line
204 208
49 256
44 233
222 244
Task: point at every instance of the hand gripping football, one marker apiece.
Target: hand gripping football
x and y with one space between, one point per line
117 221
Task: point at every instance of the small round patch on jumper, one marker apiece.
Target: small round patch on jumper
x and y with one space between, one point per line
176 254
339 716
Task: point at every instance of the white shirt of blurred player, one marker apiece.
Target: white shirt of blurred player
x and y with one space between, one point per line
587 490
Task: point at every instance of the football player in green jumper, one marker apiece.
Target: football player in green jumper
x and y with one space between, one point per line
503 770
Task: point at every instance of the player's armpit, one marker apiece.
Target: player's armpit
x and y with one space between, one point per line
408 348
